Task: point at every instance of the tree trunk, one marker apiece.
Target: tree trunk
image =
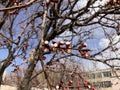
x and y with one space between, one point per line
3 67
1 75
25 83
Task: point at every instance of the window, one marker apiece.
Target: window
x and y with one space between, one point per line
107 84
104 84
95 75
107 74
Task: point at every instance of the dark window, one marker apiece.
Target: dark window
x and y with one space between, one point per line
107 84
104 84
107 74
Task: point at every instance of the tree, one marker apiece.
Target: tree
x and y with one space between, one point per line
31 26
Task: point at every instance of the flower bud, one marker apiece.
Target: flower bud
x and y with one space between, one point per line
84 44
46 46
87 83
70 83
68 51
86 55
68 45
61 42
43 4
46 50
57 86
46 42
55 45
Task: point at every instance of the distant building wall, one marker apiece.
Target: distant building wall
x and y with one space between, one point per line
104 79
116 84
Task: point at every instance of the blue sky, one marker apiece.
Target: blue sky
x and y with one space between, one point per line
3 54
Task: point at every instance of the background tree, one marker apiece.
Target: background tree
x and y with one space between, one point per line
31 31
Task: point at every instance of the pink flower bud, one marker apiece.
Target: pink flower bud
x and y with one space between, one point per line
57 86
84 44
61 42
67 43
87 83
46 42
46 50
89 86
55 44
68 50
86 55
70 83
43 4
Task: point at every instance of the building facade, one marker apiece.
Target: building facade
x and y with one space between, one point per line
105 79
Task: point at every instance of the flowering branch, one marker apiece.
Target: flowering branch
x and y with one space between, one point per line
18 7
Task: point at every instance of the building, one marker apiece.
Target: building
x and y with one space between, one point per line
105 79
